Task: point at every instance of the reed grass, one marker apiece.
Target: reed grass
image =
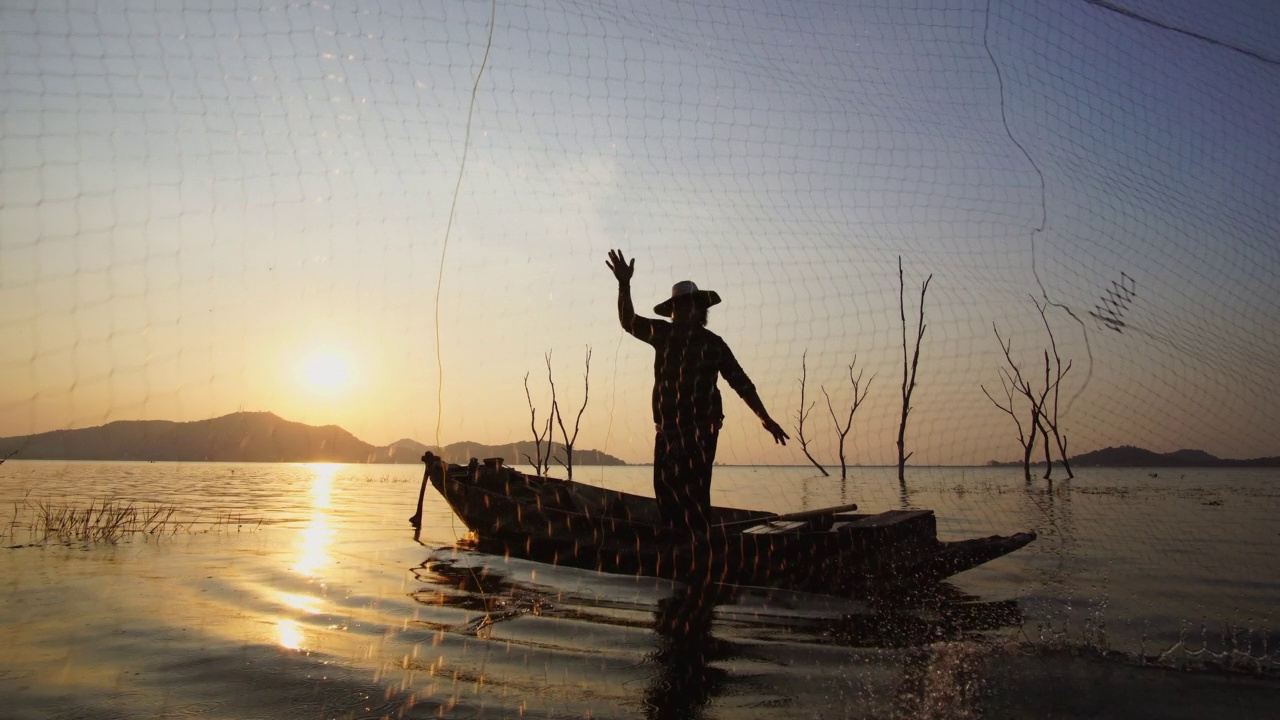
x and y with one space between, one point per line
103 521
108 521
383 479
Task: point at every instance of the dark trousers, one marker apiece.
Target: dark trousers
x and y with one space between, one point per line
682 461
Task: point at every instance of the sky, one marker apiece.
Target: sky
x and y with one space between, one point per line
384 215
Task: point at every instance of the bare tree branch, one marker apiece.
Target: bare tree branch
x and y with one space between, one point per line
1012 380
1060 372
570 440
802 414
1044 433
555 410
908 371
1026 442
859 395
541 463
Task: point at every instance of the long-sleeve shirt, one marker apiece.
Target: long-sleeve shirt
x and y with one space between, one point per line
687 361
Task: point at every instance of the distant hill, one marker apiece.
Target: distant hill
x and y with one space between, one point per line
1129 456
240 437
402 452
251 437
410 451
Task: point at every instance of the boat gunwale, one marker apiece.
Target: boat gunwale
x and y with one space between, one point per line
732 529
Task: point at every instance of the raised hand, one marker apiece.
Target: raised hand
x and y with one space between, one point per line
621 269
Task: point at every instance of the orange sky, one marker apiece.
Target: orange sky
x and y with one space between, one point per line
197 206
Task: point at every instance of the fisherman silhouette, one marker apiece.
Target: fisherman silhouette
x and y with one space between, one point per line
687 411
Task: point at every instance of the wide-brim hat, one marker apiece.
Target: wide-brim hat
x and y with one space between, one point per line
685 290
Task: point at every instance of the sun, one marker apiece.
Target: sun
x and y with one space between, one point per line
326 372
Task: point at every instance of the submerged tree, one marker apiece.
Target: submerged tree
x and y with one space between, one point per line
1050 412
569 440
541 462
1042 402
859 395
1014 386
908 369
804 413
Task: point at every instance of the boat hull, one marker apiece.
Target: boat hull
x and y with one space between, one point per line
566 523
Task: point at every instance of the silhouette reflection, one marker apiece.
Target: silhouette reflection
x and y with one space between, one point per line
685 680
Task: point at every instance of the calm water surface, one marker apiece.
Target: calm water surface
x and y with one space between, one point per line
300 591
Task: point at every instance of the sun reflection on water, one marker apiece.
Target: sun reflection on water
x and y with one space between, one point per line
317 536
305 603
289 634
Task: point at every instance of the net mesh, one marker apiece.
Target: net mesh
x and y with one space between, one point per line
196 201
390 216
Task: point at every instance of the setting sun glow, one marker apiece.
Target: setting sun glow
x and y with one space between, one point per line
326 372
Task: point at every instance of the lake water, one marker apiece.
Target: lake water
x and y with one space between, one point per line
300 591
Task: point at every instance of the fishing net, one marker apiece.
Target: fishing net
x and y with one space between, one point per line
198 202
394 217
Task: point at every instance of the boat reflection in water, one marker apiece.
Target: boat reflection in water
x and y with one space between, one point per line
672 650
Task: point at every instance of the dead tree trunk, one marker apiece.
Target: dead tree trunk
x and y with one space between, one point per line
908 370
802 414
1013 382
541 463
1048 448
1059 372
859 394
1026 440
1040 422
569 440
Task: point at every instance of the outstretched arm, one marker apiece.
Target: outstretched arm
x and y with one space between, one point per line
741 384
752 399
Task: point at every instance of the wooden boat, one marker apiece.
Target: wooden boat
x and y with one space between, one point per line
832 550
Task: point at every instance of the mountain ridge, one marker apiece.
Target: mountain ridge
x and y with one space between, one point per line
1131 456
253 436
261 436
